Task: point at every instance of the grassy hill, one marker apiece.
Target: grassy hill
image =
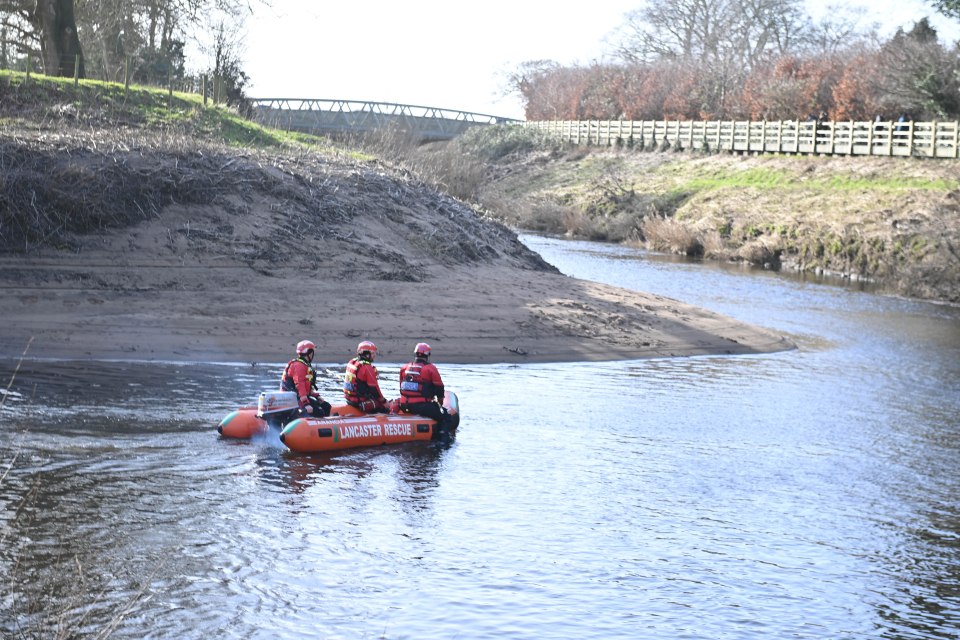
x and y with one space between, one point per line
83 161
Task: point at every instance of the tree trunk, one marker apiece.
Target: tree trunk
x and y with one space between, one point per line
59 42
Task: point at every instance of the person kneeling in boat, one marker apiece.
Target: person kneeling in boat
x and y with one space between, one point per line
421 389
361 388
300 378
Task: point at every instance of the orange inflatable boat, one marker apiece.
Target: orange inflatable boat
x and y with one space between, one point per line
308 435
273 409
346 427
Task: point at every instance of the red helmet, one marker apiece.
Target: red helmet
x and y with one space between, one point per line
367 347
305 345
422 350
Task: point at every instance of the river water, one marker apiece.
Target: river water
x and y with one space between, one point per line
807 494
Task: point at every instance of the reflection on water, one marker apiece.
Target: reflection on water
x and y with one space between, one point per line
808 494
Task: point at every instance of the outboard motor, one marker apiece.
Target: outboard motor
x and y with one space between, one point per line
278 407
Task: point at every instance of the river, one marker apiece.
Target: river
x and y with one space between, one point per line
806 494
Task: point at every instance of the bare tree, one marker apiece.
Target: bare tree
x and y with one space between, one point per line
225 50
675 29
840 29
736 32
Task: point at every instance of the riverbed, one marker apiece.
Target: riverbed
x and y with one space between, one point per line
807 494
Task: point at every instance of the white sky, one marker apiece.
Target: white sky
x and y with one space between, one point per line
448 54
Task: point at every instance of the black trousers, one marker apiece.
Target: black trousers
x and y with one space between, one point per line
430 410
321 408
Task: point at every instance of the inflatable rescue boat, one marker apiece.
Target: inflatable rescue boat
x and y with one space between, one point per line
346 427
308 435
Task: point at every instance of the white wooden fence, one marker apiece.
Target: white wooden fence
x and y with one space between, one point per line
917 139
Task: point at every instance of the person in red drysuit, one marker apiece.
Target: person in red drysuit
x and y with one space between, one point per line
300 377
360 385
421 389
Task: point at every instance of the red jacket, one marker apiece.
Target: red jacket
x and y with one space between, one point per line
360 382
299 376
420 382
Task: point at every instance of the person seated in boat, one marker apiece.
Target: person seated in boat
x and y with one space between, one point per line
361 388
421 388
300 377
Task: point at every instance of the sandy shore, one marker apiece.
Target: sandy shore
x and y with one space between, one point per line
327 250
95 308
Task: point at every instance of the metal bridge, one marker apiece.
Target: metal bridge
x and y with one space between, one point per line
354 116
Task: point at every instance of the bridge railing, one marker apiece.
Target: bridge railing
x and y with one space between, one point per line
886 138
351 116
379 108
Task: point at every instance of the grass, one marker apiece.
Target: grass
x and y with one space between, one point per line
773 179
892 219
41 99
96 155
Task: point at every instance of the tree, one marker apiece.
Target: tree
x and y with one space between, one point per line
949 8
59 42
541 86
741 32
723 38
857 94
146 37
227 64
921 78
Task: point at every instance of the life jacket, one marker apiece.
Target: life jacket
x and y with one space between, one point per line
413 388
287 383
355 390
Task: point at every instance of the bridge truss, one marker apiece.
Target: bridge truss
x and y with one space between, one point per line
313 115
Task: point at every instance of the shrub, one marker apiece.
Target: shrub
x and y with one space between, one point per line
671 235
494 142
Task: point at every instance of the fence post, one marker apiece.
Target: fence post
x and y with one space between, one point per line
126 75
29 64
169 88
203 88
910 138
76 70
956 139
933 139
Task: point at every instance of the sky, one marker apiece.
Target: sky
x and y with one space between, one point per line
453 55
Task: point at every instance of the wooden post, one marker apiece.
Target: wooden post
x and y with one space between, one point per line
933 139
169 88
910 138
956 139
76 70
29 61
126 75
